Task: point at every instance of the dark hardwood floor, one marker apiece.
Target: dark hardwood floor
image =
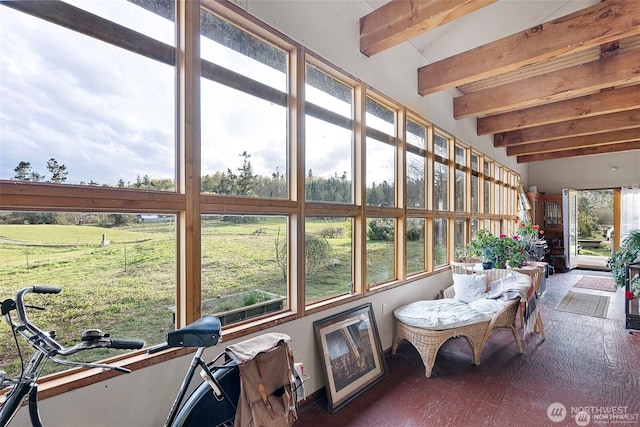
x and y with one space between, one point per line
586 364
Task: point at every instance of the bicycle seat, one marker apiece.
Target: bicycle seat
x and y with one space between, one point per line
204 332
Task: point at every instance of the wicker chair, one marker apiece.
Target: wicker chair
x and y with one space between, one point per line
462 267
428 341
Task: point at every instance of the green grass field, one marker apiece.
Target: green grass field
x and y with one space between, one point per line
127 288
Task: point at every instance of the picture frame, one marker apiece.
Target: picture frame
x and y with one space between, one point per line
351 353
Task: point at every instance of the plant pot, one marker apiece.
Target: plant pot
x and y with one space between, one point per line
234 308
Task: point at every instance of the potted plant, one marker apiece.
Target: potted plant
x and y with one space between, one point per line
533 240
497 251
627 253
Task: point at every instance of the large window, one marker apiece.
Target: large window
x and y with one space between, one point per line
218 178
328 248
328 138
101 118
244 264
380 154
381 252
441 173
244 137
459 192
416 250
116 272
416 164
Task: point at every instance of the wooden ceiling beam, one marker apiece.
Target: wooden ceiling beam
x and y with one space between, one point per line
572 82
402 20
585 151
605 102
602 23
598 124
592 140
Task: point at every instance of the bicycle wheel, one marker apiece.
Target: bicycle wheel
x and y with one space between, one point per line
202 408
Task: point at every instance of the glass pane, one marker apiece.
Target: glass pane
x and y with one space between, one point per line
328 258
117 273
497 191
103 118
416 182
475 166
244 137
244 144
461 155
329 162
487 197
380 173
441 186
439 241
380 117
486 166
459 227
244 266
324 91
328 145
380 248
475 226
416 134
233 48
475 194
415 245
459 187
441 146
135 14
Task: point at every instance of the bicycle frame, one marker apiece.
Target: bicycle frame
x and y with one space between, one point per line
216 397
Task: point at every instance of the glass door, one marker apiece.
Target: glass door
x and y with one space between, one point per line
570 229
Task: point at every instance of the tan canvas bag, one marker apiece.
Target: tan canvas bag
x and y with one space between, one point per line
266 382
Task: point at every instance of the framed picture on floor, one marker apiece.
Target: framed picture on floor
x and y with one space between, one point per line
351 353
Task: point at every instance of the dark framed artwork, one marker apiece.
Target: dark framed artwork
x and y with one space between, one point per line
351 352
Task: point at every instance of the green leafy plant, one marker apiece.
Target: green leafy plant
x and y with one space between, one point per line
501 250
627 253
532 239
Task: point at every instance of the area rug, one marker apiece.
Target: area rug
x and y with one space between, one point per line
583 303
596 282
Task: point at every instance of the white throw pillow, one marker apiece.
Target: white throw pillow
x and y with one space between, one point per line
469 287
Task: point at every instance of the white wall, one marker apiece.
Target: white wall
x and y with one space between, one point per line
586 172
330 29
143 398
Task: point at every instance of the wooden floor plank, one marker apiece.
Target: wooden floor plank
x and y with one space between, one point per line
584 362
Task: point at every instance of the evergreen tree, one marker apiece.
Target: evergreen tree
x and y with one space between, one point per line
23 171
58 172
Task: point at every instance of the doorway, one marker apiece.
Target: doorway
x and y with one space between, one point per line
596 228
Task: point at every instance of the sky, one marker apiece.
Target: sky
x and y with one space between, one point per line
63 96
107 114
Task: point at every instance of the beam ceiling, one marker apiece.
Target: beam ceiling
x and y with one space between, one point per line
562 88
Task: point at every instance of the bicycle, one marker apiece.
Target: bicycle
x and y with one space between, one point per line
213 402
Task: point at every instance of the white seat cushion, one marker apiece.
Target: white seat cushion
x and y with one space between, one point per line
439 314
488 306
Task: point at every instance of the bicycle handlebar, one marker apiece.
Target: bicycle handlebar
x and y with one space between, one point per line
44 289
126 344
24 320
46 344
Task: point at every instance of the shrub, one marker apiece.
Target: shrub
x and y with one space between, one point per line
381 229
